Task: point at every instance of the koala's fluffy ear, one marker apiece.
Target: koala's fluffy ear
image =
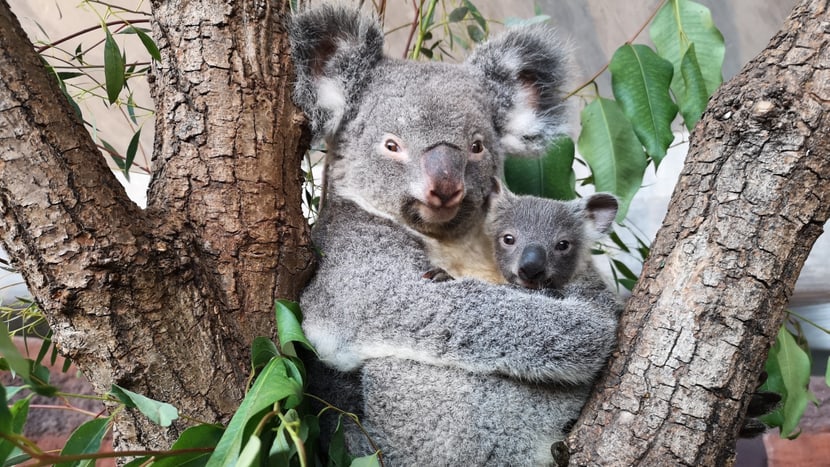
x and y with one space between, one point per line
335 50
526 70
601 209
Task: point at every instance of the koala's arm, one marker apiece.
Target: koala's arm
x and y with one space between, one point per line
368 301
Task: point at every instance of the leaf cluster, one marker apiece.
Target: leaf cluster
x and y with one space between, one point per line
274 424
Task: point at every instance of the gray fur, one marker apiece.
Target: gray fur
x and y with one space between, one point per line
453 373
562 232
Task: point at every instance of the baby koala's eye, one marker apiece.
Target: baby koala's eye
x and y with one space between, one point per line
391 146
477 147
508 239
563 245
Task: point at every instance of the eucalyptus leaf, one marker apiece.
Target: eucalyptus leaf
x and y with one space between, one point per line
794 364
262 351
613 152
13 419
457 14
16 361
86 439
114 68
199 436
250 454
694 99
338 456
640 80
366 461
161 413
132 148
476 34
148 42
271 386
681 23
549 176
289 317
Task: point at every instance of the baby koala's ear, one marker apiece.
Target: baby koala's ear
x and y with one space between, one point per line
600 210
525 70
499 194
335 50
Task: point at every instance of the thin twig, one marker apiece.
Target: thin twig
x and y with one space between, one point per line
415 23
86 30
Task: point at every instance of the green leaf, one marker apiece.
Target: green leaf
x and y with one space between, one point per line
114 68
161 413
250 454
65 75
262 351
681 23
640 80
17 457
148 42
827 372
794 364
289 317
199 436
131 108
695 98
32 373
132 148
623 269
140 462
482 23
366 461
8 350
612 150
86 439
113 154
476 34
338 456
12 420
281 450
271 386
549 176
457 14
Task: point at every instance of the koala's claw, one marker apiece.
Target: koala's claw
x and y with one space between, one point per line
437 275
760 403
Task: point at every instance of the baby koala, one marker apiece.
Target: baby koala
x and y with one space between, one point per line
536 243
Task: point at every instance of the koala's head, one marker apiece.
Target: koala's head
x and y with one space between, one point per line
419 142
542 243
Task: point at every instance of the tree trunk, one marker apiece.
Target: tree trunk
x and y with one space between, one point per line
165 301
751 200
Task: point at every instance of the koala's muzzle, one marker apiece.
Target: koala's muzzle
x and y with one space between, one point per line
443 169
532 266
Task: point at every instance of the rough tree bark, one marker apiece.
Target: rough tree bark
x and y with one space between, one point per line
164 301
751 200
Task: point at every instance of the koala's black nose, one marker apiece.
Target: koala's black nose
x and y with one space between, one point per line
532 264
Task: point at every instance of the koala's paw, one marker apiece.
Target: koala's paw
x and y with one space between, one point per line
760 403
561 454
437 275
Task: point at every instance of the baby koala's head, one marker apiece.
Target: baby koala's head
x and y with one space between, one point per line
543 243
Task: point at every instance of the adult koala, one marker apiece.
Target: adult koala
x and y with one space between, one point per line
451 373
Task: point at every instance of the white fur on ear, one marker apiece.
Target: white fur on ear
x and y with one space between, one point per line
331 97
522 122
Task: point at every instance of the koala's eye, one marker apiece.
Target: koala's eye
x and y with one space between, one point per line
391 146
508 239
477 147
563 245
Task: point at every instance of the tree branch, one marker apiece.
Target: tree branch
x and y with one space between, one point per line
750 202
